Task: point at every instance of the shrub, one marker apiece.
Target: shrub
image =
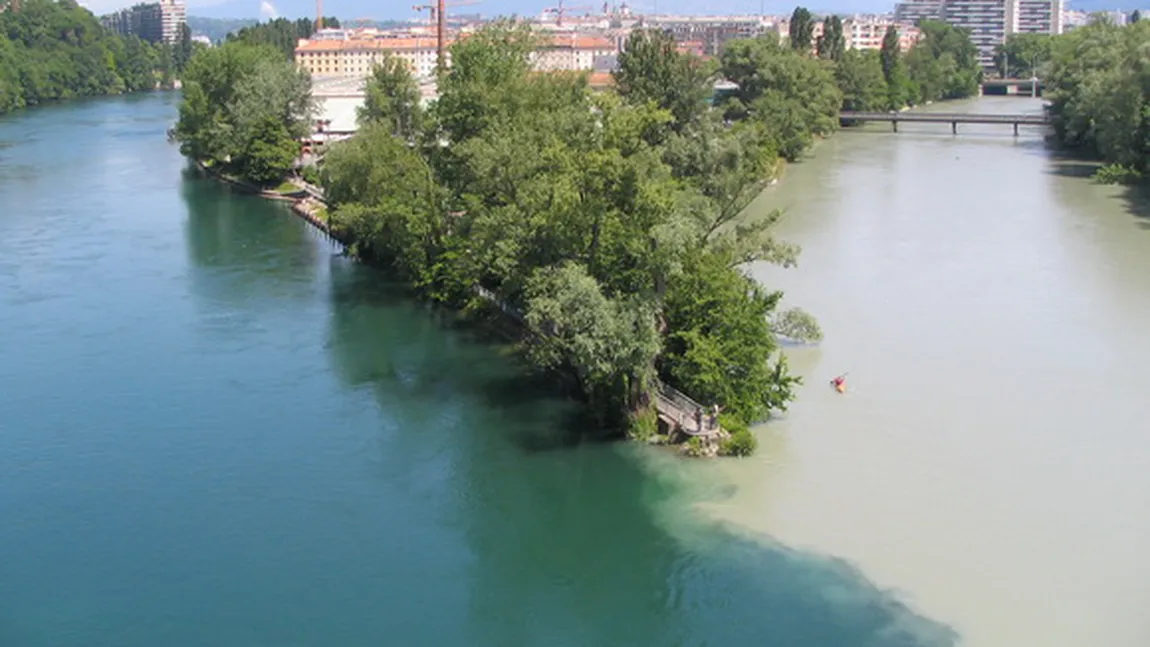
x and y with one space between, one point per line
643 425
740 443
1117 174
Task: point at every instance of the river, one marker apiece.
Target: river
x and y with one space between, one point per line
214 430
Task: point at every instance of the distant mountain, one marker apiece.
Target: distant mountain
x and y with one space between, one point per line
217 28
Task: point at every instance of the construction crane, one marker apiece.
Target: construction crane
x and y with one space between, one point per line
438 14
561 10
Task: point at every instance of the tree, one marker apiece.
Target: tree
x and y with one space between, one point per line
792 96
652 69
802 29
392 97
561 204
860 78
51 51
1136 16
233 95
268 151
832 43
943 64
899 88
610 345
1022 55
721 329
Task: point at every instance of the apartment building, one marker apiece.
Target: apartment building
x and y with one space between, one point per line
989 22
355 57
154 22
712 31
915 11
1038 17
868 32
572 52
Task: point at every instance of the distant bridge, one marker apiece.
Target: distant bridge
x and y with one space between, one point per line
954 119
1031 87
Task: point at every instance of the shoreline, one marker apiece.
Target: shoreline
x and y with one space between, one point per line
670 428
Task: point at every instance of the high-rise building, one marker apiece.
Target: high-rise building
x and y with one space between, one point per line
989 22
155 22
915 11
1038 17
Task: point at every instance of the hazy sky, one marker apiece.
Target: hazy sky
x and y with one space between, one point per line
402 10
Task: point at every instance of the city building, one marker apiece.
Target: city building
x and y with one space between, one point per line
867 32
571 52
712 31
355 57
989 22
915 11
155 22
1038 17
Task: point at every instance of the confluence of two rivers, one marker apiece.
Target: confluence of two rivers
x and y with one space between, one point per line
216 431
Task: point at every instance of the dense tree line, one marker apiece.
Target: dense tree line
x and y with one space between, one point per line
281 33
243 111
55 49
1098 84
608 218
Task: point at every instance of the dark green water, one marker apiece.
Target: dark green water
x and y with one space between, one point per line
215 431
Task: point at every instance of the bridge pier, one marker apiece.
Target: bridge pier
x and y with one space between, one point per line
894 125
954 127
1016 129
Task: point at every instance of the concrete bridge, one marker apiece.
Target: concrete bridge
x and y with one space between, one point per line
1031 87
954 119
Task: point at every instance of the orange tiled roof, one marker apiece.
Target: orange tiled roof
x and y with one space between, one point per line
357 44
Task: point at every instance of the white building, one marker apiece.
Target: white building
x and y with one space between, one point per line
571 52
173 15
989 22
1038 17
867 32
355 57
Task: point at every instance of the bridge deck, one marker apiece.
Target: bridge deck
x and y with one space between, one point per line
944 118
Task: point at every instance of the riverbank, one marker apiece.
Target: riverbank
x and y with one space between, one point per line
957 437
675 419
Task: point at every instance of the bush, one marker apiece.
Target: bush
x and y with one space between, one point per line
643 425
310 174
1117 174
740 443
693 446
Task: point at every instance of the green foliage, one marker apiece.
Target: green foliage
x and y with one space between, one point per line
721 347
1117 174
54 50
1025 55
610 344
832 43
1098 86
392 97
797 324
595 215
792 96
860 79
643 424
651 69
943 64
802 29
244 107
741 443
899 88
281 33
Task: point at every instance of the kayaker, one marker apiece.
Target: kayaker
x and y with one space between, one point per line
839 382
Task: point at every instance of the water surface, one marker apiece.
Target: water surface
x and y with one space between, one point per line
216 431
